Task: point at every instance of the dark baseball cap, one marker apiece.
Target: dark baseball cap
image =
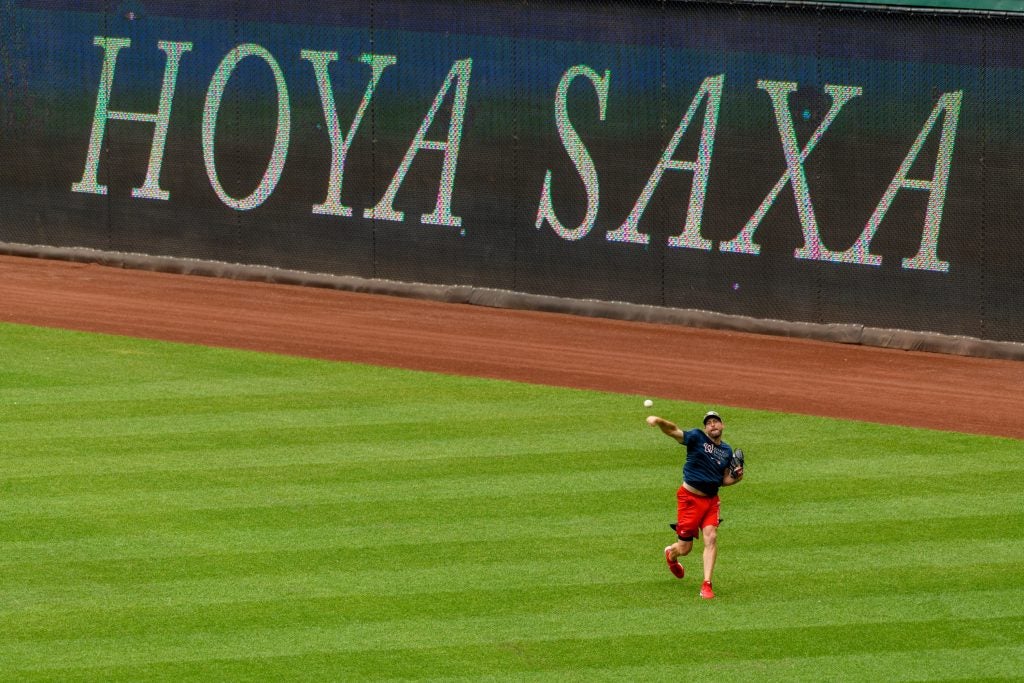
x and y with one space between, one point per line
711 414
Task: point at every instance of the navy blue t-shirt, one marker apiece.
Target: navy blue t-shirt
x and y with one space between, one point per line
705 462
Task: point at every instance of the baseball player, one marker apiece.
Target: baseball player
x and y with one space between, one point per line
710 464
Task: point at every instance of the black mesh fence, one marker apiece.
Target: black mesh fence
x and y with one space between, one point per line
810 163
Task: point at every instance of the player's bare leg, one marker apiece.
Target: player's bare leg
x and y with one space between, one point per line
673 552
681 548
710 555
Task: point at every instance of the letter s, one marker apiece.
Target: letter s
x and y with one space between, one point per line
578 153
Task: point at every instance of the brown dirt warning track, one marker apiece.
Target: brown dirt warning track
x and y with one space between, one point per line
955 393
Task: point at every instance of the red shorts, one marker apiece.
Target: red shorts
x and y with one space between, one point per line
694 513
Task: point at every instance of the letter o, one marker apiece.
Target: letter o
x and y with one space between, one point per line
215 94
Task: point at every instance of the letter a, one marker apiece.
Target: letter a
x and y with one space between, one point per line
690 237
577 152
927 257
442 215
150 188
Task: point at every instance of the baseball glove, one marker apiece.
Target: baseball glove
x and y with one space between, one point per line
736 461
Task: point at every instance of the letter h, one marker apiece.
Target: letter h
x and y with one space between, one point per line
150 188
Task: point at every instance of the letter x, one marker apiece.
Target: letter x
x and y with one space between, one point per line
794 173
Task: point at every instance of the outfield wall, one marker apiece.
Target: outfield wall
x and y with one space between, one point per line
819 165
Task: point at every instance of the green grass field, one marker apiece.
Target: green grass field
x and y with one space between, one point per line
186 513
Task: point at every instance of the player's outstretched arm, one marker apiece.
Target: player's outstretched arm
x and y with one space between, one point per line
669 428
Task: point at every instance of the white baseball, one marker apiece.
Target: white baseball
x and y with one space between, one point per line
648 403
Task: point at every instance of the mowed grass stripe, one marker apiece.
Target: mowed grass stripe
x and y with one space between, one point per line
448 498
340 459
227 419
132 536
275 599
349 439
354 540
1006 661
168 534
186 496
573 640
215 573
452 666
347 546
37 460
174 511
932 596
349 454
256 574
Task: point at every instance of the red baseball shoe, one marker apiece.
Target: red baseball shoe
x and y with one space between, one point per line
673 566
705 591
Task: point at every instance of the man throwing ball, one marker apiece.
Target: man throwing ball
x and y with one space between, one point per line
710 463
